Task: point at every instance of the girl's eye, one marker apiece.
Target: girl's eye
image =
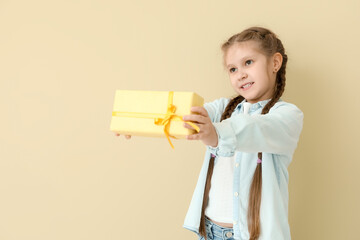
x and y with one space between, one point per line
248 62
232 70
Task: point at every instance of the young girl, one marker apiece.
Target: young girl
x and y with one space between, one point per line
242 189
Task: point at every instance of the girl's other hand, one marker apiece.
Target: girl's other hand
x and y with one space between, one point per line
126 136
207 132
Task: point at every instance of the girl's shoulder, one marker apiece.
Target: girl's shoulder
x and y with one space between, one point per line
283 104
287 110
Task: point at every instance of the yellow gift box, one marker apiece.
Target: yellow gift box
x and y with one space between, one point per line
153 113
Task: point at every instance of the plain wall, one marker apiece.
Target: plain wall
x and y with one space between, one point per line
64 175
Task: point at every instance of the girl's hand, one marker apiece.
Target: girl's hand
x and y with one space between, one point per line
207 132
126 136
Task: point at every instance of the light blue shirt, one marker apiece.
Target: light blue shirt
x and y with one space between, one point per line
276 135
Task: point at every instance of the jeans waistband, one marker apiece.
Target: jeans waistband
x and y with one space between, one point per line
217 231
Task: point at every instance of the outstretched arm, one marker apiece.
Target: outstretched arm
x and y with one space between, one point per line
275 132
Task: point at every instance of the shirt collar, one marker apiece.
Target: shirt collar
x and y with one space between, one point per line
258 104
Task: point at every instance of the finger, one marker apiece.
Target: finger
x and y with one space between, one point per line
186 125
117 134
195 118
195 136
201 110
127 136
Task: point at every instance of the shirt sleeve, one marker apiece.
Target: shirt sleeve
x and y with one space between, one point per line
216 108
276 132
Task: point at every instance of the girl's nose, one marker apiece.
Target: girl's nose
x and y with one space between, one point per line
242 75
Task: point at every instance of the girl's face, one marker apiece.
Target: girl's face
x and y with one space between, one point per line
251 73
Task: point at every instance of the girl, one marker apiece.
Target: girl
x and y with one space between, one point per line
242 189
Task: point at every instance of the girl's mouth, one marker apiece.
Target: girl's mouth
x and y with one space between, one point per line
247 86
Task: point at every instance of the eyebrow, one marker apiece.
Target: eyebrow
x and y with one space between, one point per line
242 59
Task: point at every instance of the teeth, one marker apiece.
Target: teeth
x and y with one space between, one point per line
247 85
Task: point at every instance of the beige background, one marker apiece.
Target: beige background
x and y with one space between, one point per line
64 175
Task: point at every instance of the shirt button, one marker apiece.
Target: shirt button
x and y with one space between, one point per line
236 194
235 222
236 165
228 234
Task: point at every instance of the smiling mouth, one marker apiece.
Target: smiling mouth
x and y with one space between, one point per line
246 86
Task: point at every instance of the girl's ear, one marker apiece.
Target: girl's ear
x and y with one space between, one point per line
277 61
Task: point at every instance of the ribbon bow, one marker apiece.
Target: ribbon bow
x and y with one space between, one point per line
170 114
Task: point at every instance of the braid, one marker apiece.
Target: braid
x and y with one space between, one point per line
231 107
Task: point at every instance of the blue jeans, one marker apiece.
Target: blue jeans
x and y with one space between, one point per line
216 232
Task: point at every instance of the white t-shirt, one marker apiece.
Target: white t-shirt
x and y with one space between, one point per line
220 205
